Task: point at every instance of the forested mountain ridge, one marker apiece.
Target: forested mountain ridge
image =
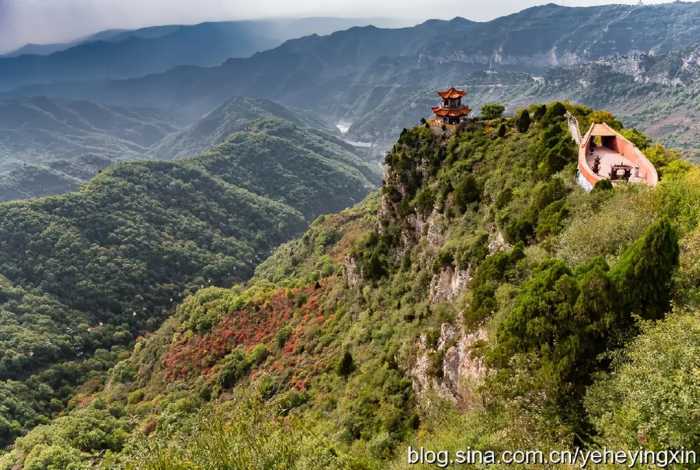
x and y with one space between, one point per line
234 115
85 271
481 299
50 146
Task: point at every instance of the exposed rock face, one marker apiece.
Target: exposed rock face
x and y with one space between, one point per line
461 370
432 228
449 283
351 272
497 242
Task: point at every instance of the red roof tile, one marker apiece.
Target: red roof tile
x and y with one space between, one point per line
451 112
451 93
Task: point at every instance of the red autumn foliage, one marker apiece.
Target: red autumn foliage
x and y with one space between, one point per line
246 328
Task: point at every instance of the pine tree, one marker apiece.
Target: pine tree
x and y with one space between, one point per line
346 365
644 274
523 121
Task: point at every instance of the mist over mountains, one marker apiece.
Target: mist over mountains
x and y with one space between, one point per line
369 74
115 54
52 146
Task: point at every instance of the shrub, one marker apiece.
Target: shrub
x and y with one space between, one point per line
268 387
546 326
472 251
519 229
556 149
466 191
609 119
603 185
492 110
424 201
502 130
372 254
135 397
444 258
551 219
257 355
522 122
53 457
245 435
539 112
637 138
346 365
301 300
292 399
554 113
644 273
283 335
652 399
661 157
596 229
235 367
504 197
547 193
564 320
495 269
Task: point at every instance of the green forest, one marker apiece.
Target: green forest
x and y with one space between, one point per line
574 315
83 274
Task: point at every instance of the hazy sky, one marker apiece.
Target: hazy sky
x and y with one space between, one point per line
44 21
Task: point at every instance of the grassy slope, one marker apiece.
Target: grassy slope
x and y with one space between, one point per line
312 362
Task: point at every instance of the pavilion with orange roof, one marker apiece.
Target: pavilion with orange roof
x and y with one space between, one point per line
451 111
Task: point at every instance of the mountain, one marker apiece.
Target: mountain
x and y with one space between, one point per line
479 297
48 49
50 146
367 75
278 29
123 54
651 92
82 274
235 115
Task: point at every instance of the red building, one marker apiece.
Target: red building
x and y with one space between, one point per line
451 111
604 153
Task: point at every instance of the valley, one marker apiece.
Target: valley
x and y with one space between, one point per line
51 146
84 272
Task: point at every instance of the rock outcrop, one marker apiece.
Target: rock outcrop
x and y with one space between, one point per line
449 283
452 370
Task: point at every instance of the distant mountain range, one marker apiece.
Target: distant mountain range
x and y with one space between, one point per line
381 80
132 53
46 49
